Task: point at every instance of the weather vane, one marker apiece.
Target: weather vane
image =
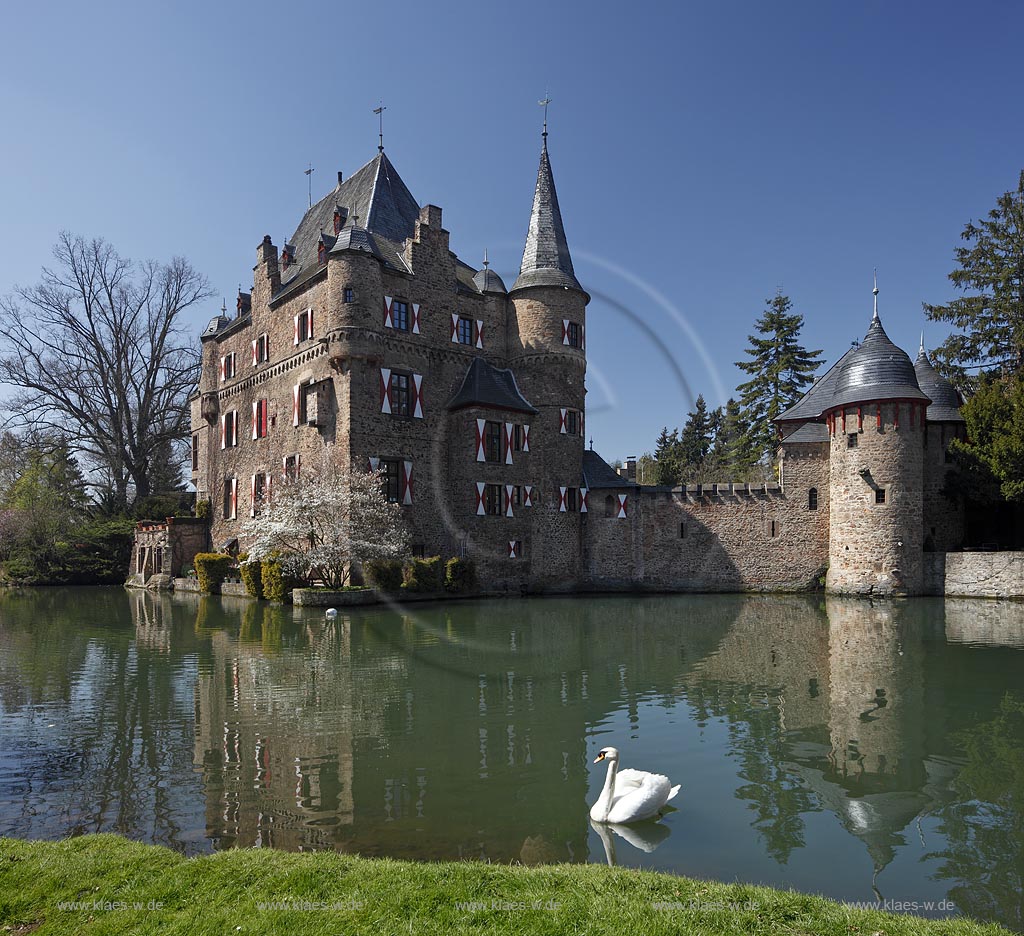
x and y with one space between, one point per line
309 182
379 111
544 104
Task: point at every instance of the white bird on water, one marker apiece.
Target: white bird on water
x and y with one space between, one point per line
629 795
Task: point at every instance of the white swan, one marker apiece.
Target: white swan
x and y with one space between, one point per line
629 795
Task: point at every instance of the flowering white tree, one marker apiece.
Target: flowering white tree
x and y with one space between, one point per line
326 520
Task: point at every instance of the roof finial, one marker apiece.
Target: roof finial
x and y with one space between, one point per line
874 318
223 305
379 111
309 182
544 104
486 261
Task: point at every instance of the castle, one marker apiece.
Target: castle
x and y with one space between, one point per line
364 330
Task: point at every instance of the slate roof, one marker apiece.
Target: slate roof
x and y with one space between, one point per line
945 405
818 398
808 432
546 260
378 204
217 323
487 385
486 280
877 370
598 474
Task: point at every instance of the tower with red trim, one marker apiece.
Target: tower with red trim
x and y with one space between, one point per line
876 430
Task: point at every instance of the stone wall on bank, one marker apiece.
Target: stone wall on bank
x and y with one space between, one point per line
974 574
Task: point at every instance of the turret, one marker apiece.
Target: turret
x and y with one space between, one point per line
876 423
547 349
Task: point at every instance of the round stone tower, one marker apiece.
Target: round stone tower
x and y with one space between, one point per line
876 431
547 352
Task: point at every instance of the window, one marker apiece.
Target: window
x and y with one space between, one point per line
682 531
195 452
259 493
464 331
228 366
492 442
879 495
609 506
517 496
492 500
260 411
517 437
262 349
812 499
230 498
400 394
303 326
400 315
572 422
515 549
291 468
418 550
392 474
229 429
573 335
348 294
774 531
851 440
572 499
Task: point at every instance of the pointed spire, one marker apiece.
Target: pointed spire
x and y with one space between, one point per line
486 261
920 350
874 318
546 260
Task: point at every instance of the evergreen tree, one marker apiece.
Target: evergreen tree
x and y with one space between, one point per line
732 452
990 269
697 437
780 368
668 466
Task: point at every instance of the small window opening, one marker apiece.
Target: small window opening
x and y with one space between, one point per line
812 499
851 440
880 495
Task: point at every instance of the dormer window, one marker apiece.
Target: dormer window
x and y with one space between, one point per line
287 256
340 214
321 253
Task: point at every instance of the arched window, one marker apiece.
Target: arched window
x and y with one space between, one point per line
812 499
609 506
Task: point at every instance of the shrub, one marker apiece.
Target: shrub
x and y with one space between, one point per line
212 569
252 575
459 576
203 509
385 574
277 581
424 575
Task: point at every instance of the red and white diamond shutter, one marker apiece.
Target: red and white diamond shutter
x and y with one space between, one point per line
234 498
583 337
561 499
389 303
252 496
509 433
405 492
480 486
526 437
623 501
223 430
528 495
295 337
584 499
455 327
385 390
417 396
254 361
479 333
269 480
415 318
233 419
508 501
296 390
481 455
513 549
255 421
565 331
309 323
562 420
374 463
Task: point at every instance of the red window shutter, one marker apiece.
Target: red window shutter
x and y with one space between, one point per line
562 423
455 327
252 507
561 499
623 500
479 333
309 323
528 495
406 482
508 440
526 437
415 318
385 390
565 331
417 391
388 306
296 330
481 454
584 494
255 423
480 498
254 360
223 430
234 498
508 500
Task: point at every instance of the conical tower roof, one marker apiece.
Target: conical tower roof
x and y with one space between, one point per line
945 405
546 260
877 370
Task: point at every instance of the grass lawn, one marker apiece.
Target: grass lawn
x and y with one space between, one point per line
123 887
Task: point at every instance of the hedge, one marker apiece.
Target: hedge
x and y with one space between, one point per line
459 576
277 583
384 574
424 575
212 569
252 575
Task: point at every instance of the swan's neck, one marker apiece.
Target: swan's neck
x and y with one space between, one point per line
605 800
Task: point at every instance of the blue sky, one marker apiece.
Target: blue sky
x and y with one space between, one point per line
705 154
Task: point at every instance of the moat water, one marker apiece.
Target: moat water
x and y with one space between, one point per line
865 751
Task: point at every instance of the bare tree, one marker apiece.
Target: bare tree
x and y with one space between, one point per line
97 352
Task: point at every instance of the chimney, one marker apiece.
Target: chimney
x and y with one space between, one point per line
339 177
631 467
